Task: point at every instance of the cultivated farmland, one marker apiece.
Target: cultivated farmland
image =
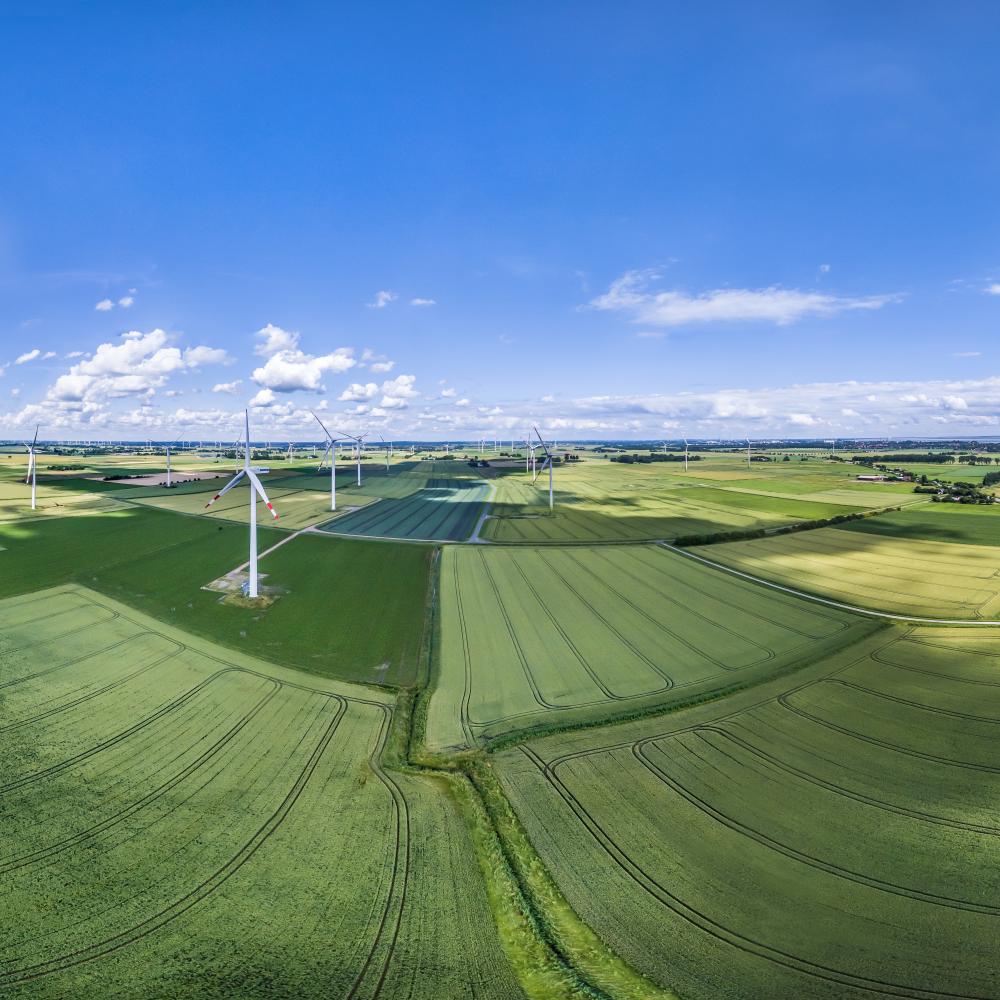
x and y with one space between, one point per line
882 569
546 637
603 501
827 835
444 510
182 821
157 562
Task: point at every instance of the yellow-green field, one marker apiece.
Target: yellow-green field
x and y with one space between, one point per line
903 575
599 500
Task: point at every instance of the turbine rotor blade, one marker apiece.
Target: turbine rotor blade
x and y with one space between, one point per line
320 422
263 495
225 489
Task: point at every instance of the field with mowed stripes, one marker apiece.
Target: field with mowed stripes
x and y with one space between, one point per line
831 834
602 501
900 573
179 820
444 510
537 637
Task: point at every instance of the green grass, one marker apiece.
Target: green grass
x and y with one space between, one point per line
783 507
183 821
445 510
968 524
882 571
608 501
326 620
828 835
561 636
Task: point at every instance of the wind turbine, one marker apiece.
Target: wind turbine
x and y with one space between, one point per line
255 489
383 440
685 454
32 477
357 445
168 465
546 464
332 449
748 454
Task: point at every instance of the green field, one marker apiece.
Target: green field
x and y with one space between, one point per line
830 835
157 562
676 773
183 821
444 510
896 572
971 524
604 501
539 637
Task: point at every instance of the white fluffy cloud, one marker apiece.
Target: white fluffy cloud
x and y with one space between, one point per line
23 359
382 367
273 339
105 305
227 387
126 301
292 370
993 289
357 392
423 302
397 392
265 397
139 363
632 296
382 299
449 392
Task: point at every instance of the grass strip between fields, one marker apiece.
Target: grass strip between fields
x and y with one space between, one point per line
555 954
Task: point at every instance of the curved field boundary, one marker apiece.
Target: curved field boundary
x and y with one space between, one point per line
639 752
382 948
659 891
888 615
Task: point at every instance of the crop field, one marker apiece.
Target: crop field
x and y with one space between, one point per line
970 524
15 502
879 570
605 501
183 821
444 510
532 637
832 834
297 508
158 563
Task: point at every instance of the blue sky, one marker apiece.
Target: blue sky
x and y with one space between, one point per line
620 220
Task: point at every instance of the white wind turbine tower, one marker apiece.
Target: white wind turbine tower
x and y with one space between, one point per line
32 477
255 489
546 464
685 454
168 466
331 448
748 454
387 449
358 441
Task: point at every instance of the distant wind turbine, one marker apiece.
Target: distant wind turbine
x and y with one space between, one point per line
358 441
169 483
256 489
331 449
685 455
32 476
748 454
546 464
